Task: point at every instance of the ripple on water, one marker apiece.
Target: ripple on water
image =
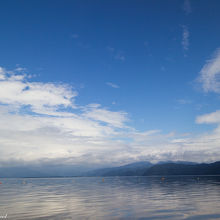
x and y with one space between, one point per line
114 198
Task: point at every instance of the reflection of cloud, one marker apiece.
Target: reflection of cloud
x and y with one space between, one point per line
115 198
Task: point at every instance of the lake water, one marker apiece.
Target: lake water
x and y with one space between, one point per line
180 197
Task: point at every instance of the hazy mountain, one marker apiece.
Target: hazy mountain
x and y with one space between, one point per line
42 171
184 169
178 162
7 172
143 168
133 169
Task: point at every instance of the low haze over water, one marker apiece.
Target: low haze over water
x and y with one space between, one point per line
180 197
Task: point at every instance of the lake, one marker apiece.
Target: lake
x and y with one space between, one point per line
172 197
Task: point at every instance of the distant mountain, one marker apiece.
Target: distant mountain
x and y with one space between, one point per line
143 168
183 169
15 172
178 162
133 169
42 171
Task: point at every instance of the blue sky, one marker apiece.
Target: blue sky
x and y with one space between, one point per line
130 67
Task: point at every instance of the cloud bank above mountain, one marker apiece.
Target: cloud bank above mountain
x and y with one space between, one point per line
42 123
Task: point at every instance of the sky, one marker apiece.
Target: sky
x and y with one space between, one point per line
109 82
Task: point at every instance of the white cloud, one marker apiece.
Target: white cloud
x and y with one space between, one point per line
113 85
36 124
2 73
185 38
29 137
115 119
211 118
210 74
40 97
41 122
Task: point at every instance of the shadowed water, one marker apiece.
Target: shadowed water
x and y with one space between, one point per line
180 197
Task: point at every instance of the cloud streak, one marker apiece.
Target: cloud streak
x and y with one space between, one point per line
184 101
185 39
113 85
187 7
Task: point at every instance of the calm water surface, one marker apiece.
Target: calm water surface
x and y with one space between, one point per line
182 197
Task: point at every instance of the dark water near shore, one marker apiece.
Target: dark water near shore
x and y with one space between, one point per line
180 197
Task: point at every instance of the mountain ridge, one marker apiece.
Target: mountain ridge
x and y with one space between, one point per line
184 169
142 168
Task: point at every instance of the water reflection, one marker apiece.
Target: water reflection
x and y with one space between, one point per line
182 197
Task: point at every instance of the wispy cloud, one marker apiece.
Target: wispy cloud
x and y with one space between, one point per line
146 43
79 42
117 54
184 101
115 119
113 85
120 56
187 7
185 39
75 36
111 49
210 74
